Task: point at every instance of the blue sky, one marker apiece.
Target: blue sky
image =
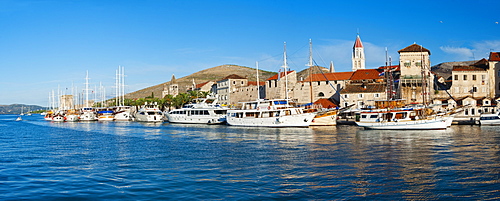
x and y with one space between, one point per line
49 44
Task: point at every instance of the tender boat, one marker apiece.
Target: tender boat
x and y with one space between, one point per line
199 111
489 119
269 113
149 113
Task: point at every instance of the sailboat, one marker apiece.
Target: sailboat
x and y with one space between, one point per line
392 114
270 113
87 113
121 112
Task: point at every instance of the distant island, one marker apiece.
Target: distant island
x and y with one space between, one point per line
20 108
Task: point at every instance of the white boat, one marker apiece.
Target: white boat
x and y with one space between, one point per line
325 118
149 113
489 119
19 118
403 119
72 115
59 117
105 115
122 113
200 111
88 114
269 113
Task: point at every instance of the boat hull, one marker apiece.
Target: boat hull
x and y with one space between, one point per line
301 120
434 124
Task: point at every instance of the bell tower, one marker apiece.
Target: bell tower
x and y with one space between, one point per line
358 55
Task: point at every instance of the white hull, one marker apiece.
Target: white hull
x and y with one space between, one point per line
105 118
58 118
328 119
148 118
489 119
424 124
299 120
72 117
172 118
123 116
88 116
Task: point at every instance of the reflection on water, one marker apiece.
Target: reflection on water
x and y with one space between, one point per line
131 160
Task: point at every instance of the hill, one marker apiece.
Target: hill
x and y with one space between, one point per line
211 74
18 108
444 69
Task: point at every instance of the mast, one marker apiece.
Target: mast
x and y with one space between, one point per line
310 64
87 90
258 85
285 69
123 86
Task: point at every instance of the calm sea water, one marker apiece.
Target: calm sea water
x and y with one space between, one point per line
42 160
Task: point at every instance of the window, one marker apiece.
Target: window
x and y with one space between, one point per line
321 94
465 77
377 95
456 77
474 89
346 95
483 77
407 63
360 95
418 63
319 83
473 77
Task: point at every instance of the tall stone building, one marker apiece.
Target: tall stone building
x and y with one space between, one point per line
281 85
416 80
358 55
227 87
172 88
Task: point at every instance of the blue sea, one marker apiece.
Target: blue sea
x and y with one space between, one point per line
41 160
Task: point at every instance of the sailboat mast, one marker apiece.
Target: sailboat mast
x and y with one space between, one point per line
258 85
285 70
87 90
310 64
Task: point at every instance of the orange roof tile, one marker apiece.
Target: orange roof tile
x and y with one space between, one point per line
325 103
329 76
494 56
414 48
365 74
281 74
358 42
254 83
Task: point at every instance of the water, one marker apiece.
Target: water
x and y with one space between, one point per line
41 160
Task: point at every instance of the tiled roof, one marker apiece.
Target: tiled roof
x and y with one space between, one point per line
414 48
358 42
494 56
480 65
325 103
329 76
365 88
365 74
281 74
201 84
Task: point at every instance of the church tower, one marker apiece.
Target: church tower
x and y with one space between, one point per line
358 55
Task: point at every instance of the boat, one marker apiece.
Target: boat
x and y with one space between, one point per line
48 115
489 119
269 113
122 113
88 114
403 118
105 114
72 115
59 116
199 111
19 118
325 118
149 112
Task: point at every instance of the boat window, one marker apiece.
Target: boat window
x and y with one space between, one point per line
205 112
364 116
373 116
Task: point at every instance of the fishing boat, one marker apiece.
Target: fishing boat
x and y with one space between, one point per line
149 112
199 111
269 113
122 113
489 119
403 118
105 114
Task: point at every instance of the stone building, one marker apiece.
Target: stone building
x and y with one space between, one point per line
416 80
172 88
281 85
358 55
322 85
227 87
